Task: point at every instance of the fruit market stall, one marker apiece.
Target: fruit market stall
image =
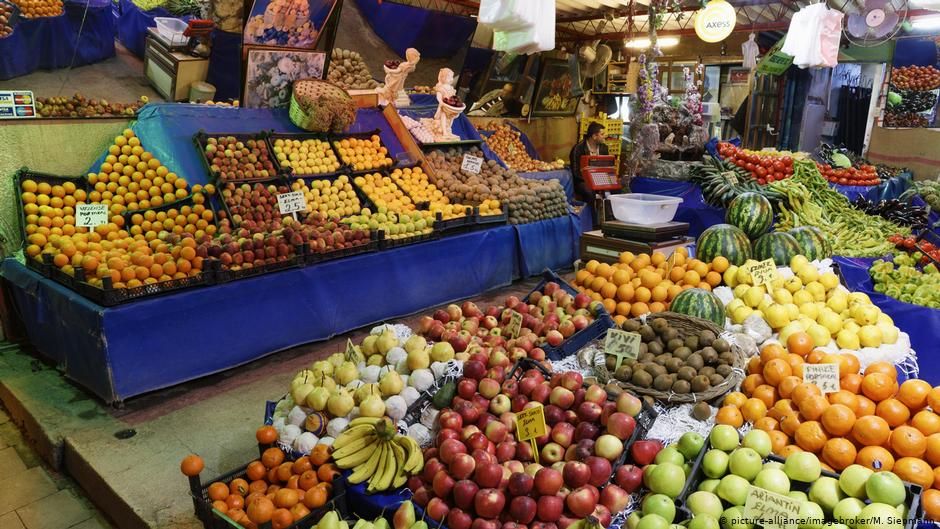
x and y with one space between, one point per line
56 35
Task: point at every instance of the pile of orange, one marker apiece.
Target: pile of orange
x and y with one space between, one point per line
644 283
39 8
871 421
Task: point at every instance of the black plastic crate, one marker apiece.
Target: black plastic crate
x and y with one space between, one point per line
574 343
312 257
108 296
38 266
488 221
385 243
222 275
199 140
25 173
289 171
456 224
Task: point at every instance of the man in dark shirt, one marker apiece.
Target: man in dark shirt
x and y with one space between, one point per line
592 144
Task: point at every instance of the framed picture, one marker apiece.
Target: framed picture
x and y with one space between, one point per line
553 90
269 75
287 23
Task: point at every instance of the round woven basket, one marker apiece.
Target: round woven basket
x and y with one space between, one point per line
686 325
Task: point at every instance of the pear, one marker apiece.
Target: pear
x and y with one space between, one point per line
343 525
364 391
386 341
381 523
302 378
326 382
442 352
330 520
346 373
300 392
420 525
363 524
418 359
404 517
415 343
372 406
368 345
391 383
336 359
376 360
340 403
317 398
323 366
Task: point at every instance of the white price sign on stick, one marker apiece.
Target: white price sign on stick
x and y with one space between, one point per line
291 203
825 376
471 163
91 215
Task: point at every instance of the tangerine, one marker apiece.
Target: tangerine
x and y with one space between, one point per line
787 385
810 436
846 398
771 351
813 406
865 406
800 343
932 450
871 430
930 501
815 357
907 441
933 399
879 386
755 366
803 391
729 415
778 440
776 370
781 409
753 410
875 458
914 470
735 398
839 453
893 411
766 393
789 424
768 424
913 393
750 383
883 367
838 419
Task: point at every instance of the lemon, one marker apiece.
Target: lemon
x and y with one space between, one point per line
777 284
819 334
801 297
831 321
741 314
816 289
852 326
734 305
838 301
792 310
810 310
847 339
783 296
859 297
889 333
885 319
753 296
808 274
798 262
792 327
730 277
776 316
743 276
829 280
740 290
870 336
865 314
793 284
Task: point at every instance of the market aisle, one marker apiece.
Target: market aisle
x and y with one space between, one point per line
32 496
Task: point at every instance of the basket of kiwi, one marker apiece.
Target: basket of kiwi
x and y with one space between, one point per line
681 359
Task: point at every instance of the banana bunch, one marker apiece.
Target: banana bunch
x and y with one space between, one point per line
332 520
374 450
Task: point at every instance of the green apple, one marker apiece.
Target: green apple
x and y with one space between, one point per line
847 510
704 521
885 487
633 520
668 479
773 464
690 444
745 462
724 437
733 518
715 463
733 489
853 479
709 485
773 479
670 455
826 492
802 466
759 440
702 502
798 495
879 515
660 504
811 516
648 474
652 521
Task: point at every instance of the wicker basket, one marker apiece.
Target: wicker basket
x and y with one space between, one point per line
319 106
686 325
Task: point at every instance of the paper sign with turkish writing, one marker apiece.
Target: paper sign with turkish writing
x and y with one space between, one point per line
825 376
763 272
91 215
471 163
774 511
515 324
530 423
622 344
292 202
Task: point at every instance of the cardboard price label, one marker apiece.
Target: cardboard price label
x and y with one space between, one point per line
350 348
91 215
825 376
471 163
764 272
771 510
292 202
530 423
622 344
515 324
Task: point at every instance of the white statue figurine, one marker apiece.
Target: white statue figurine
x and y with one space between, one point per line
446 113
394 89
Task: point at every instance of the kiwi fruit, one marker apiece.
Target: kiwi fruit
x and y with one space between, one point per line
631 326
670 334
705 338
686 373
726 358
624 373
659 325
649 402
721 345
673 364
715 379
709 355
642 379
681 386
661 359
701 411
674 344
682 352
723 370
700 384
655 369
647 333
654 348
662 383
613 388
646 358
707 371
610 362
692 342
695 361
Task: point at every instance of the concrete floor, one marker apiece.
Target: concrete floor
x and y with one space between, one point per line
136 481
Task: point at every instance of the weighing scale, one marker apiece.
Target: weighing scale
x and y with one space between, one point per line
614 237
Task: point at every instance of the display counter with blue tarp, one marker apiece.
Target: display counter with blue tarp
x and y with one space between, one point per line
83 34
133 24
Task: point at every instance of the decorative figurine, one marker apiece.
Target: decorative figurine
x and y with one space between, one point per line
395 74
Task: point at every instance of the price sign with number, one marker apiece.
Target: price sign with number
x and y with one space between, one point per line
764 272
91 215
515 324
622 344
530 425
775 511
292 202
825 376
471 163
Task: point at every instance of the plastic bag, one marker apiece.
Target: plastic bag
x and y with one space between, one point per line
540 37
508 15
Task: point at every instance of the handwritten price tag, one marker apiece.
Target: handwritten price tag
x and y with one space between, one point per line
91 215
764 272
292 202
825 376
515 324
775 511
471 163
530 423
350 349
622 344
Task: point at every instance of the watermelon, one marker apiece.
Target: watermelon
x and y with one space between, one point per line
699 303
726 240
779 246
812 243
752 213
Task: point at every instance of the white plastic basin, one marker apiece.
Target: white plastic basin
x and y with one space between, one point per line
642 208
172 30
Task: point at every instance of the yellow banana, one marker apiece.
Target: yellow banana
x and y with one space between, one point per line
414 459
352 434
383 480
354 446
358 458
370 421
401 477
363 471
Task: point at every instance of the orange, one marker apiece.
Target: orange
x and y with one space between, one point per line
893 411
930 501
879 386
886 368
844 397
755 366
720 264
800 343
838 419
735 398
768 424
781 409
750 383
776 370
796 364
810 436
913 393
936 478
813 406
840 360
638 309
789 449
771 351
854 366
907 441
753 410
766 393
625 293
871 430
865 406
778 440
786 386
803 391
933 399
914 470
838 453
815 357
875 458
932 451
790 423
729 415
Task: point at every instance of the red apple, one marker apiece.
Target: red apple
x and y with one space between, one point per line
437 509
496 431
582 300
481 456
500 404
595 394
475 370
581 502
554 338
600 470
510 388
621 425
609 408
629 478
576 474
422 496
466 388
561 397
644 452
537 354
578 397
482 523
468 411
490 322
571 416
585 449
572 380
489 388
468 431
520 484
550 508
548 482
518 402
586 430
442 484
441 316
602 515
506 451
522 509
454 312
464 492
527 384
563 434
541 393
543 525
589 411
446 434
524 452
608 447
415 483
489 503
488 475
551 453
458 519
553 415
449 450
431 467
462 466
614 498
481 402
629 404
450 419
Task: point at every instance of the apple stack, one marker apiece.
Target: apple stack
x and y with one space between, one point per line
479 474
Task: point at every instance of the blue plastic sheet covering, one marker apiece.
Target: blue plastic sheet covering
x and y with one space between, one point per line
220 327
225 65
51 43
562 175
921 323
133 24
886 190
437 34
551 243
693 208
